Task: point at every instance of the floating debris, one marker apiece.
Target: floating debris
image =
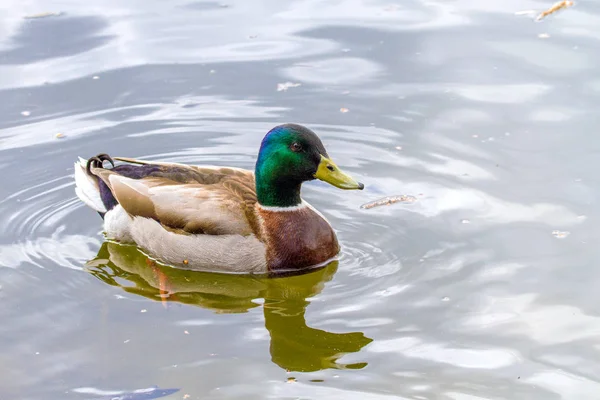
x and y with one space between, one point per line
26 113
95 77
282 87
143 311
291 379
386 201
344 110
186 262
556 7
398 147
59 135
465 221
43 15
446 298
543 36
560 234
186 332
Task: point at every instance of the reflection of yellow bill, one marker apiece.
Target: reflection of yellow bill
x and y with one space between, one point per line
331 173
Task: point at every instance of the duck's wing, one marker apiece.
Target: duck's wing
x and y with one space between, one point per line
184 198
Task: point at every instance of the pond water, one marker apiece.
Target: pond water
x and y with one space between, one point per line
482 288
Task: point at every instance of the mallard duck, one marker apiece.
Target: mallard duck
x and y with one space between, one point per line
220 218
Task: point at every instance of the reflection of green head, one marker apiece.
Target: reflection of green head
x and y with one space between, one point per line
295 346
289 155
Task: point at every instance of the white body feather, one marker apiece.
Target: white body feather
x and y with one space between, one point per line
225 253
86 187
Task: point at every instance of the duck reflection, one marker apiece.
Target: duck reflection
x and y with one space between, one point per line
294 345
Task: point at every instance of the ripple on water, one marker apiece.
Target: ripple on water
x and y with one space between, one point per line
37 227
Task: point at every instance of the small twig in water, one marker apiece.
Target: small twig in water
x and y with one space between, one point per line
386 201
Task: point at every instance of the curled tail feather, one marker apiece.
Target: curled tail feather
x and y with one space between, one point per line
97 162
88 186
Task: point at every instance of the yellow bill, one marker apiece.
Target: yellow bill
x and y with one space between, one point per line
330 173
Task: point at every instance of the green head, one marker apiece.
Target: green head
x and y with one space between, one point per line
289 155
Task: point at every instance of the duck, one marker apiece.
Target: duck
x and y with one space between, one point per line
220 218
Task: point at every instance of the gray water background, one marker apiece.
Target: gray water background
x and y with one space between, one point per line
484 288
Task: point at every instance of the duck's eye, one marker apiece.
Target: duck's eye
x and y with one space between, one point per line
331 168
296 147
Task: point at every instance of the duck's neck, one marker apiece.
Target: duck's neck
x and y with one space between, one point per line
274 191
278 194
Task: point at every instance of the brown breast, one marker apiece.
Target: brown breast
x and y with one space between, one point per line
296 239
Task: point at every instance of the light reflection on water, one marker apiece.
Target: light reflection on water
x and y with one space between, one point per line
464 294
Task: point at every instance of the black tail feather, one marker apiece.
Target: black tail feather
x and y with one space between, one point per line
98 162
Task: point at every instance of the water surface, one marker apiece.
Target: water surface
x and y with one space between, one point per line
484 288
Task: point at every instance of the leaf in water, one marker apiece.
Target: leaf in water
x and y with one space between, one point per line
556 7
386 201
